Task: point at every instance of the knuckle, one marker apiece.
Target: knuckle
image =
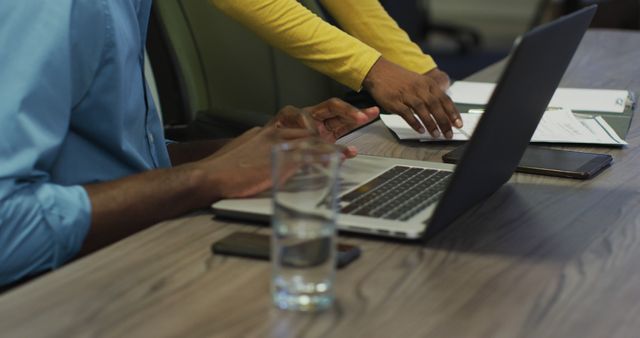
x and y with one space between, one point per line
290 108
419 106
400 109
395 96
408 112
334 101
432 101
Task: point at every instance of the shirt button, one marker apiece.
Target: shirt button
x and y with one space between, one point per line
150 136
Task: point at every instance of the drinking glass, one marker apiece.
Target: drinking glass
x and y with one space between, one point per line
305 175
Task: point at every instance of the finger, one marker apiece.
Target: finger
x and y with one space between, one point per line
435 104
308 122
332 129
348 151
443 122
371 112
339 108
452 111
439 115
288 116
337 128
425 116
431 95
336 123
291 133
407 114
339 132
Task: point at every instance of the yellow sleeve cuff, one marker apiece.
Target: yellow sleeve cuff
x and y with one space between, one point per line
368 21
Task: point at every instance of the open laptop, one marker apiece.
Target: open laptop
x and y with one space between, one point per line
416 199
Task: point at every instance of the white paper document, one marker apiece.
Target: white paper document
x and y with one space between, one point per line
593 100
556 126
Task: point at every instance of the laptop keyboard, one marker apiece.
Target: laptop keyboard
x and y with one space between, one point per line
397 194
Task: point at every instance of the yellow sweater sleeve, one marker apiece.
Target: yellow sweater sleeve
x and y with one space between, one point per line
291 27
368 21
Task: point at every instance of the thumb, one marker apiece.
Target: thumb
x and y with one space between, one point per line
371 112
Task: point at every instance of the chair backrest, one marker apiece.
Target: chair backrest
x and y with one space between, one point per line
229 74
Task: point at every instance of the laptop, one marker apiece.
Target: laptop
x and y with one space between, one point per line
416 199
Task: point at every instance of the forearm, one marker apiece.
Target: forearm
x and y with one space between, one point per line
289 26
373 26
125 206
45 225
122 207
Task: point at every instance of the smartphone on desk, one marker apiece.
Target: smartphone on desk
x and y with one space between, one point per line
258 246
552 162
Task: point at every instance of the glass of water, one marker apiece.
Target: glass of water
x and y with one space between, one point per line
303 246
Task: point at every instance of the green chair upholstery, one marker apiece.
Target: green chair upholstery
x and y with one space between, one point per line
229 78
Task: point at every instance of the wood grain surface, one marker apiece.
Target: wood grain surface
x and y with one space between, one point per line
543 257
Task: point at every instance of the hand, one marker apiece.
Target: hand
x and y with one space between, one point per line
404 93
246 170
440 77
331 119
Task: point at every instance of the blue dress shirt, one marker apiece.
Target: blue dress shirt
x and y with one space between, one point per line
74 109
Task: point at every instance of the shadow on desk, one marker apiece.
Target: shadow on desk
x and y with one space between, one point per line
539 222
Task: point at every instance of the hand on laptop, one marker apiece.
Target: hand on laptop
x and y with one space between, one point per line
242 168
406 93
330 119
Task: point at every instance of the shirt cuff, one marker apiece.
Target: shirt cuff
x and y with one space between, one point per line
365 65
425 65
67 211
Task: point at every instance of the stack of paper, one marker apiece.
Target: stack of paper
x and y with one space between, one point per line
556 126
592 100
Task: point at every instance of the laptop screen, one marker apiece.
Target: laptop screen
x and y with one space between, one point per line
533 72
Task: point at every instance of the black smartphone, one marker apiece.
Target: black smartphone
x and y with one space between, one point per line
552 162
305 254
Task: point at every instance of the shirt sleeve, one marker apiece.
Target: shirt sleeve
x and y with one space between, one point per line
368 21
42 224
291 27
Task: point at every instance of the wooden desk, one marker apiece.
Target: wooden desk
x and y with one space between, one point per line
542 257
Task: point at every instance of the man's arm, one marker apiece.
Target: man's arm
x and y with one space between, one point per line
123 207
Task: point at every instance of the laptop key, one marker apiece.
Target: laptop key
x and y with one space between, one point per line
398 193
374 183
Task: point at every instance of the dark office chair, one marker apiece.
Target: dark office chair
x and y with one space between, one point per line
464 53
621 14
